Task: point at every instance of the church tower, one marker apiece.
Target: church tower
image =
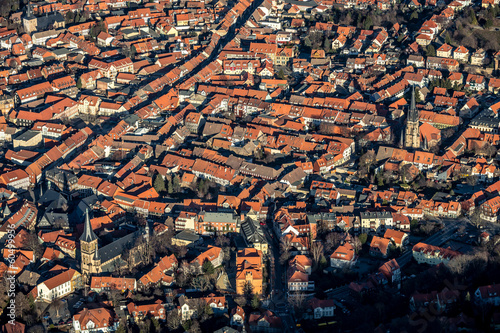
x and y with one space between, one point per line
30 20
412 131
88 249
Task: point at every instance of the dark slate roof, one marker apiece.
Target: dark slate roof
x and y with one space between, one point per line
302 3
187 236
413 112
44 22
83 205
88 234
50 219
252 232
116 248
61 175
131 119
52 200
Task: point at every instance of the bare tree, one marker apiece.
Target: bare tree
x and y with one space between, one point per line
427 228
487 150
4 287
332 240
404 171
180 251
472 180
447 133
241 301
173 319
365 162
201 282
184 273
298 302
34 245
356 244
22 305
475 218
222 240
367 159
195 327
285 245
317 251
468 264
36 329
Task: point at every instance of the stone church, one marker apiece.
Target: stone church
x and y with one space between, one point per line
412 130
97 260
32 23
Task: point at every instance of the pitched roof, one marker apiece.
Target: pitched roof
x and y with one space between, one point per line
88 234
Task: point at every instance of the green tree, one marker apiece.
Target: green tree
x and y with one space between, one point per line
248 291
176 183
307 42
70 17
363 238
488 24
447 84
255 302
323 262
430 51
159 184
327 45
472 17
447 38
368 23
96 29
79 83
173 320
417 95
170 188
281 74
380 180
414 16
208 268
413 225
156 324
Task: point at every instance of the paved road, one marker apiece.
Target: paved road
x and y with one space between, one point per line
278 297
437 239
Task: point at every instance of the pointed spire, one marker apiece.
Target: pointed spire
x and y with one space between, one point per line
412 111
412 106
88 234
6 211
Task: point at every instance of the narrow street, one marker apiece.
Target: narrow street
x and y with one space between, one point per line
278 293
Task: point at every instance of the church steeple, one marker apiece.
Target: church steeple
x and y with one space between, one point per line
413 112
88 234
6 211
412 130
88 249
29 11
